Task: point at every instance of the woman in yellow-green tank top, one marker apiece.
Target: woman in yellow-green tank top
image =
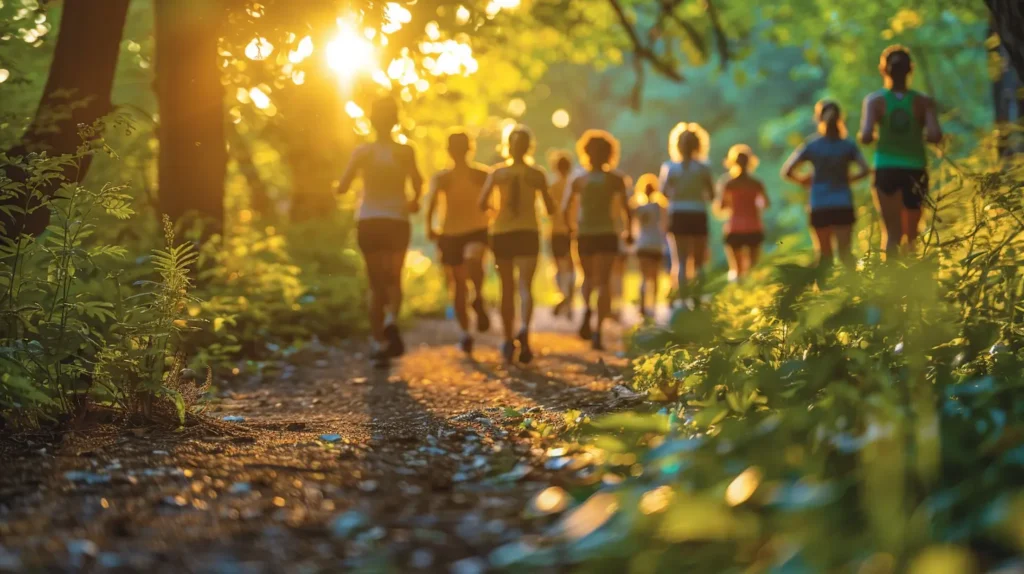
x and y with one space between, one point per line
901 121
601 195
515 236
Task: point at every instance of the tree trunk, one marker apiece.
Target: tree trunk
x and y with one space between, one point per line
82 73
193 155
1008 18
1007 104
316 139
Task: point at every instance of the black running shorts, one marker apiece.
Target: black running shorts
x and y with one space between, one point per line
561 244
453 247
829 216
911 183
605 243
688 223
515 244
376 235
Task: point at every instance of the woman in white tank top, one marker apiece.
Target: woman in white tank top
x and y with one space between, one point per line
689 186
650 227
383 230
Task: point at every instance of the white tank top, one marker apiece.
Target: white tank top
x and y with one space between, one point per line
647 225
384 175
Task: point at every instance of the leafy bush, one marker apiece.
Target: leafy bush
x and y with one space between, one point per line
72 333
866 420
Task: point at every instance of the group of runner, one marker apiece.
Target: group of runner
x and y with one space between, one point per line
597 208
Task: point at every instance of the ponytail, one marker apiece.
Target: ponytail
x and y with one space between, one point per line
830 119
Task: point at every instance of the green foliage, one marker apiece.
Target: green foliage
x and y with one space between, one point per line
837 421
71 332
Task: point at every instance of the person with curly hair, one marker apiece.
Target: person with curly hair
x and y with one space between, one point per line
688 184
601 195
902 121
383 230
743 197
515 236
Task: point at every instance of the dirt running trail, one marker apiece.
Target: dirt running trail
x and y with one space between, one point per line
429 471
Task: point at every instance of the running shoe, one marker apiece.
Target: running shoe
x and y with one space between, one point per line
585 330
396 347
483 321
381 358
466 344
595 341
525 354
508 351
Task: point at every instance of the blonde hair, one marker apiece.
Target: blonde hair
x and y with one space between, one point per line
732 160
640 191
700 140
598 143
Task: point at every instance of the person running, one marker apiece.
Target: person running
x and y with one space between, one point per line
688 184
462 238
515 236
383 231
905 120
560 236
649 227
601 194
830 154
743 197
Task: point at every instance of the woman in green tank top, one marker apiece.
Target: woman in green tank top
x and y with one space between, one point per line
902 121
601 195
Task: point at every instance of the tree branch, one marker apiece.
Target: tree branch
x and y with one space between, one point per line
641 50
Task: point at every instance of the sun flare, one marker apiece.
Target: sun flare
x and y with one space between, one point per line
350 52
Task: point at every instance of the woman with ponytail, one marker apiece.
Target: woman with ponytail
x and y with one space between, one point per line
904 120
689 186
515 236
830 154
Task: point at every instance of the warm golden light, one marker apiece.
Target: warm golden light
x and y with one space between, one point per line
302 51
560 119
517 107
259 98
349 52
462 15
353 110
259 48
551 500
4 74
743 486
395 16
655 501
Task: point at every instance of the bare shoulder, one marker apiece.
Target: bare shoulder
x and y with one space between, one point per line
537 177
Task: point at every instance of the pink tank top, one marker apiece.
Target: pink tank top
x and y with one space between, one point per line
743 196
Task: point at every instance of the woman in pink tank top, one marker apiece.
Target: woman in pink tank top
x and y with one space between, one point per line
743 198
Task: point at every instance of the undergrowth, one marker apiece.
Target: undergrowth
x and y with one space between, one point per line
866 420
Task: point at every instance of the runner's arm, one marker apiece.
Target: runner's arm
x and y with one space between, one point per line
415 177
541 184
795 160
485 193
435 190
351 171
763 196
863 170
932 129
869 118
567 201
626 211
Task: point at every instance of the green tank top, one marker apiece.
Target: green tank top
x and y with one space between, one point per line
598 204
900 134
